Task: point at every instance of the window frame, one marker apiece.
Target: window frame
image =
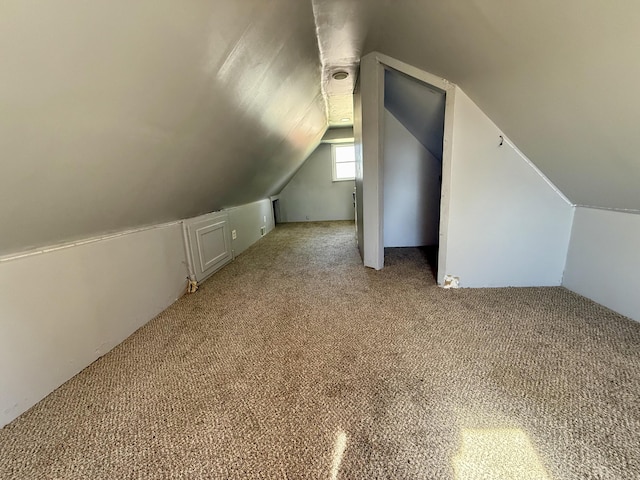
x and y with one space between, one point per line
334 146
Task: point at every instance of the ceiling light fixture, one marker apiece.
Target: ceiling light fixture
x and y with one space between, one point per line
345 119
340 75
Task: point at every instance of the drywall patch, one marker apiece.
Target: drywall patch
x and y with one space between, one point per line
451 282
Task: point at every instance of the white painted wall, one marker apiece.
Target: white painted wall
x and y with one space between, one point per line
63 307
604 257
411 188
312 195
502 222
357 143
61 310
368 133
508 226
246 220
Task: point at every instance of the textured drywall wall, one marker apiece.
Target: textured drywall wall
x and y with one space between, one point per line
117 114
507 225
411 188
312 195
63 309
604 258
247 221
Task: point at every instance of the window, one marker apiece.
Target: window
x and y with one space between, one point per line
344 162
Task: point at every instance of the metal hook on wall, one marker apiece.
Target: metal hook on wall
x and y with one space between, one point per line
501 140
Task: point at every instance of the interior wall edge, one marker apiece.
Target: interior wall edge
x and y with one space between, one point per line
520 223
412 71
609 209
84 241
338 135
568 244
603 258
247 220
537 170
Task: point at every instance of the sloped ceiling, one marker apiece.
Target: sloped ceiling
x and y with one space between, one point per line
342 28
418 107
118 114
560 78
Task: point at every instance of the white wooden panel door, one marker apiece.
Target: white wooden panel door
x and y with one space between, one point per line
210 244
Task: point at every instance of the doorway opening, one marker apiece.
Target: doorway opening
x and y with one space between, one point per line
413 139
275 204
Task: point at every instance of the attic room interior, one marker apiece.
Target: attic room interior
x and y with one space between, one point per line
319 239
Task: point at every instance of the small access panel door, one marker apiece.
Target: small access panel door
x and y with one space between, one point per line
209 244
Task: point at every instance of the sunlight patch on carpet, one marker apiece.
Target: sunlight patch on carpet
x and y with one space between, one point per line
497 453
339 446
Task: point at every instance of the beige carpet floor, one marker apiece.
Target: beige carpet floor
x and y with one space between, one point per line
296 362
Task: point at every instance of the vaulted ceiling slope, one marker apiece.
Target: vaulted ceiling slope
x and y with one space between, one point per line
117 114
559 78
418 107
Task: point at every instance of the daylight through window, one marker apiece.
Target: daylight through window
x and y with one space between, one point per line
344 162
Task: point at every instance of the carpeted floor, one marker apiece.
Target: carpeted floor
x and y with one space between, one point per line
296 362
